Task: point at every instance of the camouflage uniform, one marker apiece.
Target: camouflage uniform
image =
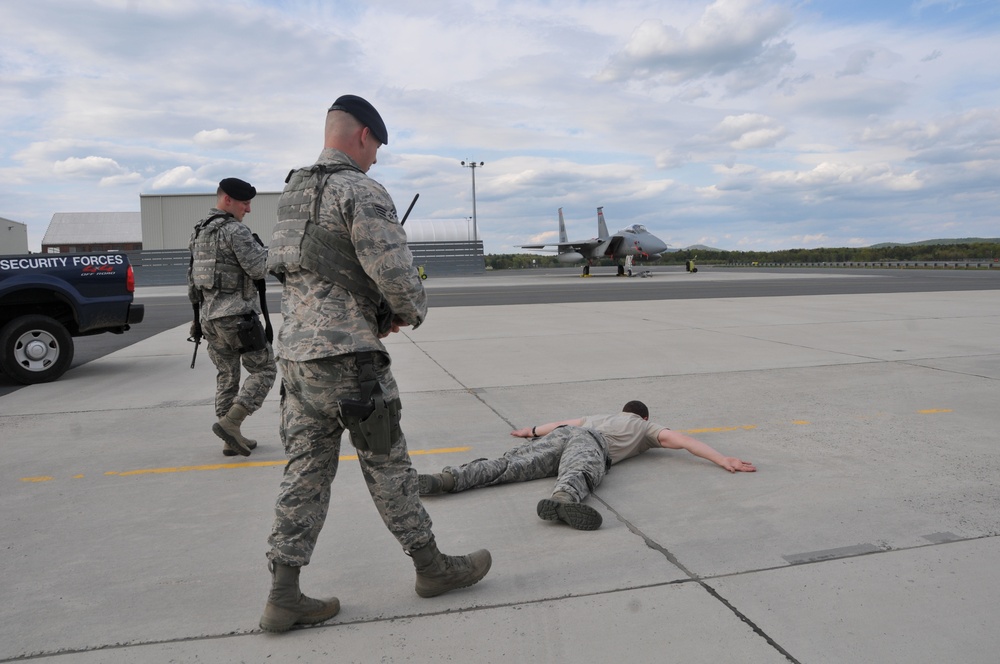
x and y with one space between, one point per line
578 457
224 304
324 326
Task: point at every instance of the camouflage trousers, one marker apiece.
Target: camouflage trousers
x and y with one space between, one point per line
576 457
311 431
224 350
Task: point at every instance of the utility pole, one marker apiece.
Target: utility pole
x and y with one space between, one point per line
473 165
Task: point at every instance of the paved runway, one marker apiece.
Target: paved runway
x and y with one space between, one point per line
869 533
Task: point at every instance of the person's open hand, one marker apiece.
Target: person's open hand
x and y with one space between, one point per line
734 465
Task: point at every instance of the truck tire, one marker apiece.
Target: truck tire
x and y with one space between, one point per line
35 349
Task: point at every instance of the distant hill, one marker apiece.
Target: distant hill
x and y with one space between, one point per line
923 243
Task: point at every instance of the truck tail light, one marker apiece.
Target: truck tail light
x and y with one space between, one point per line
130 280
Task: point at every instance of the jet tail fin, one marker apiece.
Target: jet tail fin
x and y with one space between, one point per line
562 228
602 228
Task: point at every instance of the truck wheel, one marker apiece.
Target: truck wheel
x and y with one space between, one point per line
35 349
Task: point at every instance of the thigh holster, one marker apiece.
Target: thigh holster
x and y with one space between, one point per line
372 420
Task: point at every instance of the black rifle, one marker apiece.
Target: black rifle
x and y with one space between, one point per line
261 286
196 333
412 203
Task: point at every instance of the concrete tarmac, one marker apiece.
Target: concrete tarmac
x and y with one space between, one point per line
868 534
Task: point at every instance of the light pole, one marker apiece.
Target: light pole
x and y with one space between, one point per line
473 165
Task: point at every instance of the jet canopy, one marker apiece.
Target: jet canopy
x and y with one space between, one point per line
637 228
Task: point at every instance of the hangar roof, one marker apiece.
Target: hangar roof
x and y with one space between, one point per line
94 228
438 230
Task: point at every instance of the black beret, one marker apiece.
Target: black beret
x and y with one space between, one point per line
365 114
237 189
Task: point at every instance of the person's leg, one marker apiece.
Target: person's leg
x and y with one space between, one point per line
530 460
226 359
310 432
311 437
393 485
262 371
223 349
581 469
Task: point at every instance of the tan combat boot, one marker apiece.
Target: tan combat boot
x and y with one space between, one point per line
228 429
563 507
431 485
287 606
438 573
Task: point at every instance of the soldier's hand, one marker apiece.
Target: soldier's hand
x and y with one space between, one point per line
195 331
395 326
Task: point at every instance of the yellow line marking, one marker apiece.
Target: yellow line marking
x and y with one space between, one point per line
801 422
745 427
930 411
228 466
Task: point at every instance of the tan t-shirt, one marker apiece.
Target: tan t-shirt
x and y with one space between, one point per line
627 434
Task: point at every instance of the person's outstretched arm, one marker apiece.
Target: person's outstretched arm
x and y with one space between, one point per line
675 440
543 429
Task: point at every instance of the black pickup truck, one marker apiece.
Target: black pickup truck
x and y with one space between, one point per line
47 299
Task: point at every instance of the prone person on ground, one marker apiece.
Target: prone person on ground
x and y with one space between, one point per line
578 453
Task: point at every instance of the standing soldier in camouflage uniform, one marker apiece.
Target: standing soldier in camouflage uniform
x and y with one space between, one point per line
349 280
578 453
226 260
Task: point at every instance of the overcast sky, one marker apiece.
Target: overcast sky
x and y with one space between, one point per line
739 124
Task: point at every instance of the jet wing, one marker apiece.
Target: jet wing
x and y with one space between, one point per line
582 247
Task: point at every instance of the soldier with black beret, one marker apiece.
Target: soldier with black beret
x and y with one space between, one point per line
226 260
238 190
365 113
349 281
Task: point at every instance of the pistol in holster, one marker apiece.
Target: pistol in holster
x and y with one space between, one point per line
251 334
372 420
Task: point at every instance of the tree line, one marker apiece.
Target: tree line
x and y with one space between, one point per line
977 251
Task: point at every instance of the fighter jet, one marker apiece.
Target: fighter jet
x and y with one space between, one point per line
635 242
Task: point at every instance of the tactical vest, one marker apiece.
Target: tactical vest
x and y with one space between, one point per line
208 270
300 242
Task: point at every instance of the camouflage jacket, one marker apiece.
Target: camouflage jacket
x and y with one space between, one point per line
235 246
322 319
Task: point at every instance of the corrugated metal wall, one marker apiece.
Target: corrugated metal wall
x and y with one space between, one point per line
167 220
168 267
442 247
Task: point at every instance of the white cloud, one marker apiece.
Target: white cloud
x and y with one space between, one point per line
86 167
730 36
120 180
220 138
182 177
857 63
774 122
750 130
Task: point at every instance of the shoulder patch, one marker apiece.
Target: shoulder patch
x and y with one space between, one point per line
385 213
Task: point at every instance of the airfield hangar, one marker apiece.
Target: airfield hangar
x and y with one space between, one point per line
443 247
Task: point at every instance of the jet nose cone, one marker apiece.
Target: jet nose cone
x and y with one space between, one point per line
657 246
